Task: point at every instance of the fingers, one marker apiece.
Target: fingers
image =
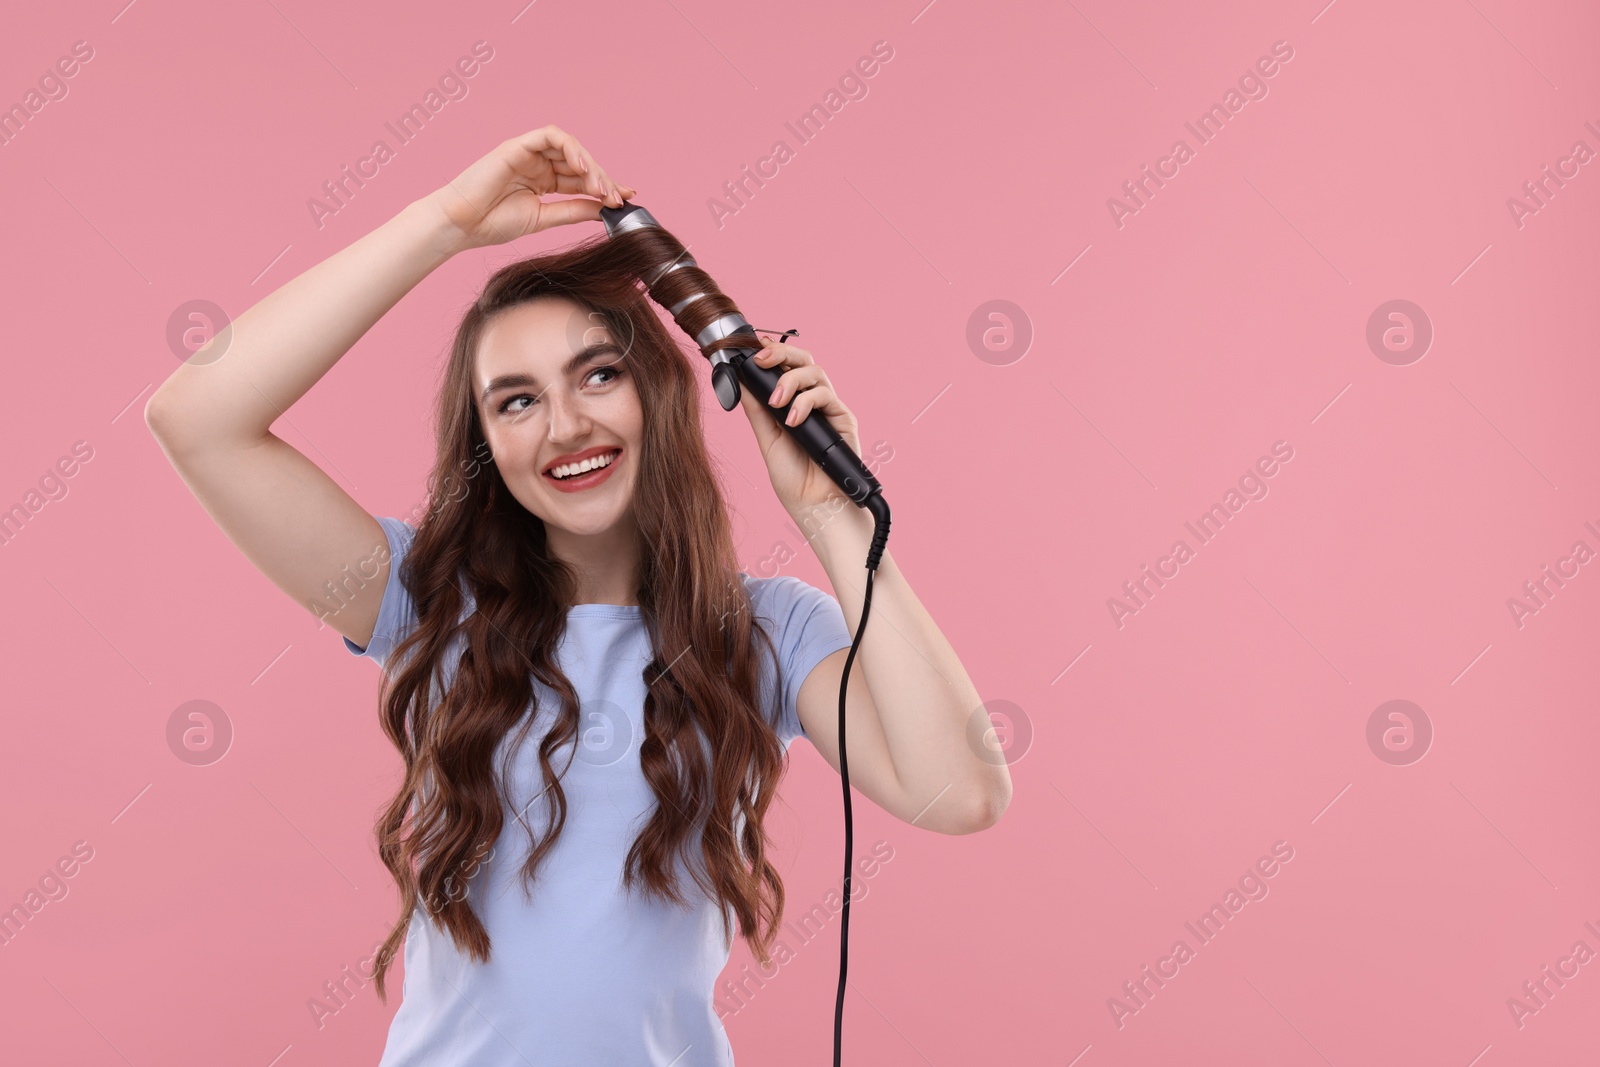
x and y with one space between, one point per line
594 182
807 383
774 352
574 168
804 374
550 145
566 212
819 397
576 160
570 183
792 382
602 187
577 184
588 182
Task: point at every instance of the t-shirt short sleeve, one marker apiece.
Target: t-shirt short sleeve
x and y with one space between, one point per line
806 625
396 613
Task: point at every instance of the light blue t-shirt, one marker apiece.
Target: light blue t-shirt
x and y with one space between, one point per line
586 973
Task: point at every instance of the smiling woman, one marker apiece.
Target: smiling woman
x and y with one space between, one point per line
552 416
566 637
592 577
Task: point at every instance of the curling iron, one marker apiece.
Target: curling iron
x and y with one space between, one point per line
722 341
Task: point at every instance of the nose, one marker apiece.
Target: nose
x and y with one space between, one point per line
569 422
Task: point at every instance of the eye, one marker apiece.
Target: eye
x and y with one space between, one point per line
613 371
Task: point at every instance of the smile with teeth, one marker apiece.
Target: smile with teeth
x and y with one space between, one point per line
572 470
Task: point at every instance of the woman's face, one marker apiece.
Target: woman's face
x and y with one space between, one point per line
555 394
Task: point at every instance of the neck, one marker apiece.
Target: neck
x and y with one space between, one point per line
606 564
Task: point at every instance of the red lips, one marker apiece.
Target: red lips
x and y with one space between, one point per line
578 457
588 479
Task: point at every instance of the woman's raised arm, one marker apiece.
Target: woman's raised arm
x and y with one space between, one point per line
213 418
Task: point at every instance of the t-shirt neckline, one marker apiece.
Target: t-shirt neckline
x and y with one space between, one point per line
614 611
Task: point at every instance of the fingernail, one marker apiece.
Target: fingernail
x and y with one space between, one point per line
776 393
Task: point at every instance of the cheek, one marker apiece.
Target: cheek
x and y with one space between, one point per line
513 431
501 444
513 447
631 416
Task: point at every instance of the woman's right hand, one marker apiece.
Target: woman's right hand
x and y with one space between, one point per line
497 199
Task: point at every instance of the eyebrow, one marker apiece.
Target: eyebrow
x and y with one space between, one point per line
577 362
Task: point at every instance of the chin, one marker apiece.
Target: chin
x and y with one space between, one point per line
587 521
575 515
585 527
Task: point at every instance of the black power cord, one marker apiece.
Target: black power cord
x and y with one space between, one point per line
880 538
873 501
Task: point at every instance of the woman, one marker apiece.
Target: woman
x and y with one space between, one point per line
566 638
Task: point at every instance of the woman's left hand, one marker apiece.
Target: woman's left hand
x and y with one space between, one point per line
799 482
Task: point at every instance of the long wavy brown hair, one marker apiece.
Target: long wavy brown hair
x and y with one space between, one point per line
710 753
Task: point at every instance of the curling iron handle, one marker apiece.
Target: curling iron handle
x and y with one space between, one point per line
815 434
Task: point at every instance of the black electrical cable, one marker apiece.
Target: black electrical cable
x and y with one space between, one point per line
880 537
677 284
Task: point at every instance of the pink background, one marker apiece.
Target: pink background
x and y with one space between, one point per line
1153 762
